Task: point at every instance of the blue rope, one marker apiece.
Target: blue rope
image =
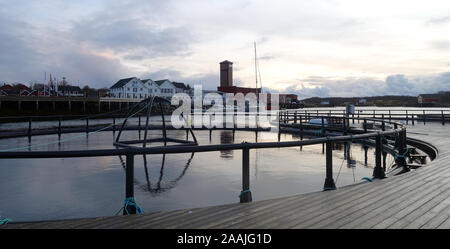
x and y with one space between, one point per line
4 221
367 179
319 132
243 191
397 155
130 201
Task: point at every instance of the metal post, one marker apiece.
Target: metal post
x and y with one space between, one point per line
443 117
329 181
129 183
59 127
378 172
323 127
390 117
246 194
407 121
412 119
87 125
139 117
163 123
29 127
365 125
424 119
344 122
114 124
301 124
401 159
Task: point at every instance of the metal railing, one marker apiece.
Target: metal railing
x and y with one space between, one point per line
398 133
412 115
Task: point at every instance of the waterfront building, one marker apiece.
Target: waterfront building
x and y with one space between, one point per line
70 91
226 80
153 89
169 88
134 88
428 99
129 88
287 98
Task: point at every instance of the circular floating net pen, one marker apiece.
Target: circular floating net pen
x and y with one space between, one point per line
146 106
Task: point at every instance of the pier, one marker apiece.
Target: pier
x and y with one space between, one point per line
416 199
67 102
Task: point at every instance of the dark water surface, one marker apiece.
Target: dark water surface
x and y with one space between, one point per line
43 189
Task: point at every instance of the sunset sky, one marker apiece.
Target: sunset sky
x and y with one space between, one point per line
311 48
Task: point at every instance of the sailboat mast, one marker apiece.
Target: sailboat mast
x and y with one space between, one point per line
256 67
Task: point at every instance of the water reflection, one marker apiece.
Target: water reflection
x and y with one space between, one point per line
160 186
226 137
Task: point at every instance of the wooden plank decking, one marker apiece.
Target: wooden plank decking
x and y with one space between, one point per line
418 199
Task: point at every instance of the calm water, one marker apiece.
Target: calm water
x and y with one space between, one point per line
42 189
48 189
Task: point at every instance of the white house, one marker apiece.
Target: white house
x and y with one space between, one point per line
182 88
134 88
74 91
152 87
130 88
167 88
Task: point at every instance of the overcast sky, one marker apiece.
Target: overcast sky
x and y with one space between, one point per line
311 48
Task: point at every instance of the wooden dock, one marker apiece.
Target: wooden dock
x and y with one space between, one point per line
417 199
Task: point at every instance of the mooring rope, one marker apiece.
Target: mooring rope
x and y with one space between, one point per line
4 221
342 163
243 192
130 201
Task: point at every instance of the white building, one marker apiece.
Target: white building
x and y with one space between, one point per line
167 88
152 87
130 88
134 88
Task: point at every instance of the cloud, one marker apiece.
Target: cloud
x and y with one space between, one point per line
17 54
133 38
317 86
441 45
208 81
440 20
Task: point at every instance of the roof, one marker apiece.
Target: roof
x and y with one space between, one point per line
6 87
180 85
226 62
22 86
159 82
122 82
429 95
69 88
